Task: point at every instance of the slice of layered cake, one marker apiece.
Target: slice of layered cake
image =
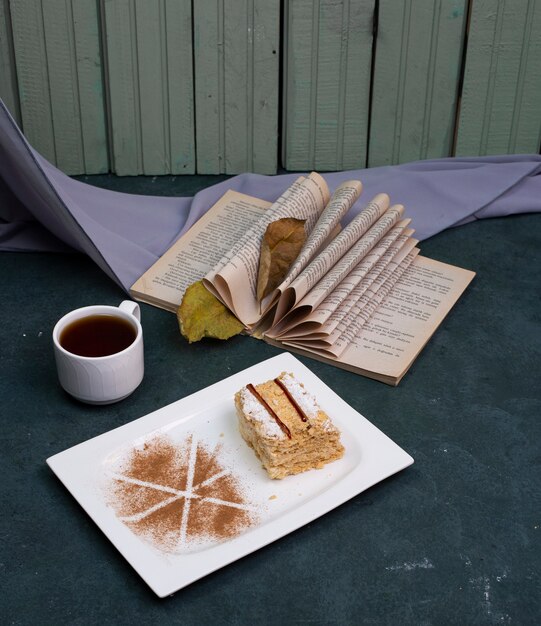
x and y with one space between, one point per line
284 425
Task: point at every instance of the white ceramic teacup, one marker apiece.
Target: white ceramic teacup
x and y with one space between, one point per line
101 379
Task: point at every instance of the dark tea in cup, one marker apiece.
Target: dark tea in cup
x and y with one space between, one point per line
99 352
98 335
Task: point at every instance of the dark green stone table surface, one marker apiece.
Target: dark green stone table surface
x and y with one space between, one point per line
454 539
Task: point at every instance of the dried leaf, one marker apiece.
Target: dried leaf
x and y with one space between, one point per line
201 314
280 246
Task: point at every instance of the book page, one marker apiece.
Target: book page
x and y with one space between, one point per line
335 344
370 300
325 318
381 271
392 338
310 294
341 202
234 281
368 270
198 250
337 248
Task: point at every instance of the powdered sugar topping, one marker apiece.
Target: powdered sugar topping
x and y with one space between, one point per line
305 400
256 412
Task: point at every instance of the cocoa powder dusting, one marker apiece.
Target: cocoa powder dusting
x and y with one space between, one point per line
179 495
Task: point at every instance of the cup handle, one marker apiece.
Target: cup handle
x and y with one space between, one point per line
131 307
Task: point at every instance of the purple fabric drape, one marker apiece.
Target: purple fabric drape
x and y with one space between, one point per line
43 209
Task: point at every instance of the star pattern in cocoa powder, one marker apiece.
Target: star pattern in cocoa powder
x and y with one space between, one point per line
178 495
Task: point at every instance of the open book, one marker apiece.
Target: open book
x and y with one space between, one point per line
360 297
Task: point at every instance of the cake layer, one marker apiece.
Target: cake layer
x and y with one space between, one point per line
284 425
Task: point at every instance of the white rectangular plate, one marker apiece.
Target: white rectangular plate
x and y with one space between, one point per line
208 419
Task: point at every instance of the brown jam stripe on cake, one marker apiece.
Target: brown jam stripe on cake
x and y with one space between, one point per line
292 400
264 403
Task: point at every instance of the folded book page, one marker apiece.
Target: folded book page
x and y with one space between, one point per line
326 272
198 250
341 202
381 271
391 339
234 279
326 316
346 331
327 258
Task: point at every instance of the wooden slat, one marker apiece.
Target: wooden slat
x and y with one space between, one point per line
8 76
209 86
236 80
60 82
355 82
251 86
33 76
328 48
297 111
416 74
150 74
123 87
63 85
265 67
91 92
154 106
179 77
500 108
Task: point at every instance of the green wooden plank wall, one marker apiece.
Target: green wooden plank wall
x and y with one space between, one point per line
500 108
8 79
328 50
59 75
183 86
416 75
236 50
150 86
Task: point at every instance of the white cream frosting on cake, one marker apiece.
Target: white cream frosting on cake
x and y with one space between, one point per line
286 427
